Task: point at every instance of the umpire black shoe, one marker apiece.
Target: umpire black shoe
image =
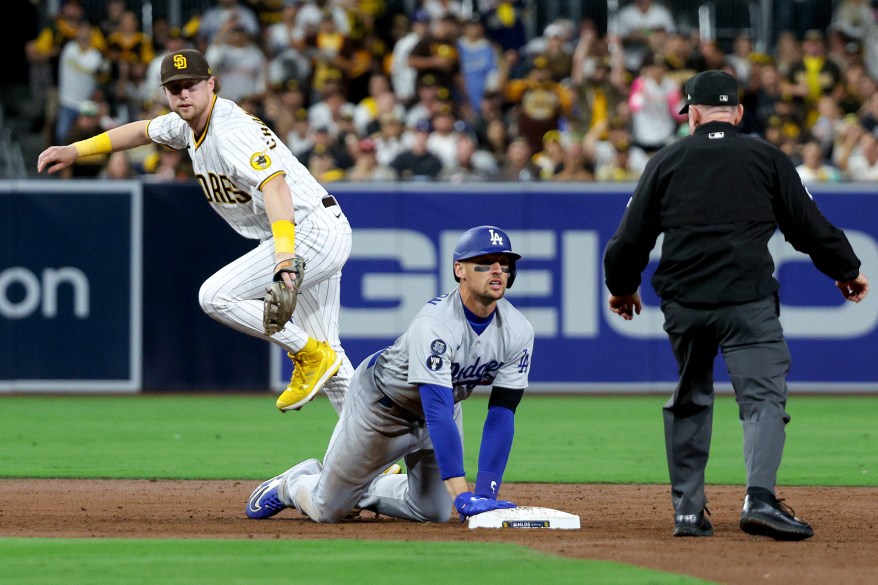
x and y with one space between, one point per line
765 515
693 524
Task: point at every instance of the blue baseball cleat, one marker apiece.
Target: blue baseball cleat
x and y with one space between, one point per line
265 501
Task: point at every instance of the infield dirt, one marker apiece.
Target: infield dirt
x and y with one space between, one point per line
623 523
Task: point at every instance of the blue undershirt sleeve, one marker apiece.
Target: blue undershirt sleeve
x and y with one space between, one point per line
438 404
494 451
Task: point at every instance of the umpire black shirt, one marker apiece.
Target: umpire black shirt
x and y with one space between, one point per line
718 197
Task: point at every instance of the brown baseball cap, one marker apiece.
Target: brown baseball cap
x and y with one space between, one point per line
185 64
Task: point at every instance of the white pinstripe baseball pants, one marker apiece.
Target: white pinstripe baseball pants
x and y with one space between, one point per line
234 294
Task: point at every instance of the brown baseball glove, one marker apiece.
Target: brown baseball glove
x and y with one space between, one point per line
280 300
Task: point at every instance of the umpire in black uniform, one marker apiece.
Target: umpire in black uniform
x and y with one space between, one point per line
718 196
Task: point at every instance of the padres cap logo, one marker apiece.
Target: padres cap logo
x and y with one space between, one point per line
185 64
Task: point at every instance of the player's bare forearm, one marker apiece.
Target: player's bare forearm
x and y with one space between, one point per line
124 137
456 486
626 305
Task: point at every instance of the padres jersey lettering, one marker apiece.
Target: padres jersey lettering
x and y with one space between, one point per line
236 154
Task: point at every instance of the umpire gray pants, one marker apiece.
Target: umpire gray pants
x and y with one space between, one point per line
757 359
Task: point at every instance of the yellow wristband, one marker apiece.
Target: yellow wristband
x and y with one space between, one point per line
99 144
284 232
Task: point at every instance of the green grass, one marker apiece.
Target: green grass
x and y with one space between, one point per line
831 440
39 561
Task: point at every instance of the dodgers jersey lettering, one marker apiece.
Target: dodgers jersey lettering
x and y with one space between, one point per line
441 348
234 156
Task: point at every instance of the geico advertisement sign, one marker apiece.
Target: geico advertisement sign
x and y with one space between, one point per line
24 293
560 285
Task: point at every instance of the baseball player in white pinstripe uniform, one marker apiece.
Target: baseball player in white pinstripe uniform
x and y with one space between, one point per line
256 184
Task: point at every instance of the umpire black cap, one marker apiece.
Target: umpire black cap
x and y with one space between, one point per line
185 64
710 88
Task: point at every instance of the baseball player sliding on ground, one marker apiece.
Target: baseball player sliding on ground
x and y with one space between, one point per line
404 402
256 184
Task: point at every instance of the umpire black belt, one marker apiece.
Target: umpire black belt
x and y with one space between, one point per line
400 412
329 201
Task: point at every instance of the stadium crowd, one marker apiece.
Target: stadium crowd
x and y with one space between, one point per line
362 92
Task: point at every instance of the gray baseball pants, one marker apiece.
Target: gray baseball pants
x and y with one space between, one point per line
368 438
757 359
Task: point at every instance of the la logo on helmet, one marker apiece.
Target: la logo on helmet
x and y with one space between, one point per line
496 239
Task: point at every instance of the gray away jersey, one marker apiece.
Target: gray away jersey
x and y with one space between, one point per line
441 348
235 155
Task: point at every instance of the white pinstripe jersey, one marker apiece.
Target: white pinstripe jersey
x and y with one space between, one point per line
440 347
232 159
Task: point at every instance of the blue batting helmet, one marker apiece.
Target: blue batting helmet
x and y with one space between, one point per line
482 240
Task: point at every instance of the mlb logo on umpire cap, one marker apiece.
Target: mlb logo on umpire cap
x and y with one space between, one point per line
711 88
184 64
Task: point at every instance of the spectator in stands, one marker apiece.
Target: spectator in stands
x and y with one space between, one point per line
326 143
576 165
300 138
680 56
518 165
443 140
855 19
327 113
550 159
284 44
110 21
167 165
814 169
787 52
868 113
129 53
497 139
238 62
366 167
216 19
504 24
634 23
79 66
388 140
429 96
861 163
554 45
380 99
490 108
598 85
331 53
828 123
323 165
655 102
439 8
403 75
619 168
541 102
813 76
436 55
479 63
417 162
312 13
86 124
118 167
471 163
